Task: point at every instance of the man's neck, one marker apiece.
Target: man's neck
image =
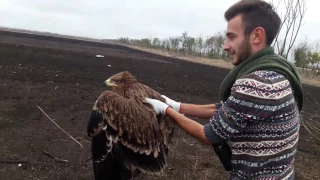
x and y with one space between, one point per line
256 49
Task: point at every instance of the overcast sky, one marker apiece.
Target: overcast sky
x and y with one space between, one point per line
135 19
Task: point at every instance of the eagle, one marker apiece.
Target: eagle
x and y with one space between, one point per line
128 138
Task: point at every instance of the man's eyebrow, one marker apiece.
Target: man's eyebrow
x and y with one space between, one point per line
230 34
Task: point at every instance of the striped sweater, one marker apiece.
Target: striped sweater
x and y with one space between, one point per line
260 120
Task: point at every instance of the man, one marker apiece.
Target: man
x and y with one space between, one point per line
260 99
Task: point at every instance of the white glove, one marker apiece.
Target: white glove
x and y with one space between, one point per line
173 104
158 106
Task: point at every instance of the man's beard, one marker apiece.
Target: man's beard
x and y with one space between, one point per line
245 50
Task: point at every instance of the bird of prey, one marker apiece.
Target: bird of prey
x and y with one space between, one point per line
128 137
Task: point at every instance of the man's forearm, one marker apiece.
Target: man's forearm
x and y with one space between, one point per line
200 111
191 127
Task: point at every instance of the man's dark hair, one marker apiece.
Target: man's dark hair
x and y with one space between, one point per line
256 13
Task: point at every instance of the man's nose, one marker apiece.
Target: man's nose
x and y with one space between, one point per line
226 47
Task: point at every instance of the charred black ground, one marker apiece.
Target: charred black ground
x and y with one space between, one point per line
64 78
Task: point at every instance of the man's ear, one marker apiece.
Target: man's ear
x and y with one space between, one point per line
258 36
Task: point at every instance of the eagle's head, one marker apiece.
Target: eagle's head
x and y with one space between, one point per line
120 81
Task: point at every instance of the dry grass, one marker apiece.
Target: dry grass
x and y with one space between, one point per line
202 60
307 77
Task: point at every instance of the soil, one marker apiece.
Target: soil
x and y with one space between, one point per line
64 78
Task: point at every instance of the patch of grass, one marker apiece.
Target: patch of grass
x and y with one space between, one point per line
309 77
202 60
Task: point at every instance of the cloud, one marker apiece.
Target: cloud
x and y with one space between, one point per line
134 19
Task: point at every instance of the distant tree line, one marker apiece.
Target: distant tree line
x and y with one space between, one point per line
210 47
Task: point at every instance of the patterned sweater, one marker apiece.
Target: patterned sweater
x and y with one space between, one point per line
261 122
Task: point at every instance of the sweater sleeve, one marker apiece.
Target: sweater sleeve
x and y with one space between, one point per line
248 95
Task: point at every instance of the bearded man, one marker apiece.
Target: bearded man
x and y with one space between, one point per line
255 128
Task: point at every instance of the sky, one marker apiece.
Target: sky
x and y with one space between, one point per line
106 19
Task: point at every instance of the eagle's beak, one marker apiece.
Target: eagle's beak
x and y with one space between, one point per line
109 83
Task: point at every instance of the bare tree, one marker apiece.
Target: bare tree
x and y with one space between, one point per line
184 41
174 41
200 45
156 42
291 22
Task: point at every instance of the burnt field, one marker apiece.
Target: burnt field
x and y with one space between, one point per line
65 77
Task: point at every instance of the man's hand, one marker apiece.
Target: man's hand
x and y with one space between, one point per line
193 128
173 104
158 106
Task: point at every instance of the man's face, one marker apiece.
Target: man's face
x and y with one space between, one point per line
236 44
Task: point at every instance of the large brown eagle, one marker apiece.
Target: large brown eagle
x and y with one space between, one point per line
128 138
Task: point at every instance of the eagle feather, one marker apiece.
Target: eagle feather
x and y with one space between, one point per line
128 137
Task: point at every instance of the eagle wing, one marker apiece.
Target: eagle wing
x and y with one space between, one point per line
131 127
140 91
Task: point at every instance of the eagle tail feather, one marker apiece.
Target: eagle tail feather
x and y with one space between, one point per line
105 165
144 162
